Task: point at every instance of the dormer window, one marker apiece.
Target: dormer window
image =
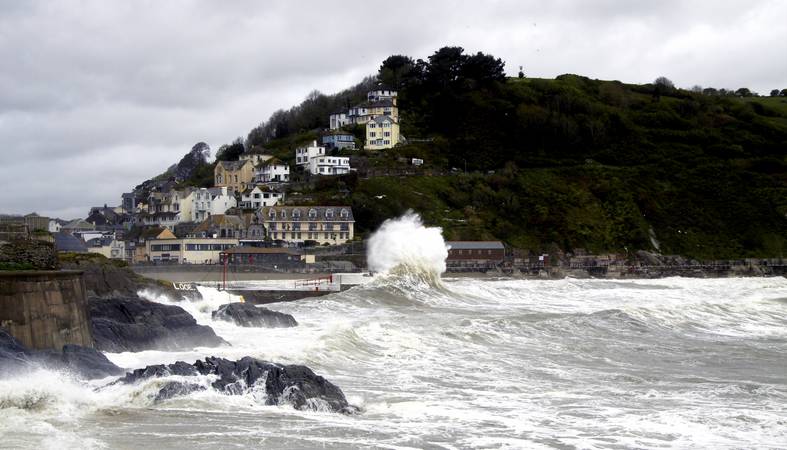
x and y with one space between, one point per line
283 214
272 213
344 213
296 213
329 213
312 213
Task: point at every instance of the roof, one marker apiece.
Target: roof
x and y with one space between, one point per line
234 165
337 132
152 233
273 161
380 119
304 210
473 245
67 242
78 224
220 220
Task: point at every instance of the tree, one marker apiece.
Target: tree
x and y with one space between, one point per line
775 93
445 66
483 69
743 92
662 86
231 152
697 89
396 71
783 93
710 91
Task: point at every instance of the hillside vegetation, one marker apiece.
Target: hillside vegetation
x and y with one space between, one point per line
571 162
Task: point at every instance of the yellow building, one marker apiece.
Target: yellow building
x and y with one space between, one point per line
236 176
382 132
322 224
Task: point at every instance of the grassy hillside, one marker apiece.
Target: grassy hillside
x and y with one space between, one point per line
574 162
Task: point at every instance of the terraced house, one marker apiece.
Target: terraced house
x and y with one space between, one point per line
322 224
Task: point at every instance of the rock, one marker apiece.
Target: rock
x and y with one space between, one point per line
248 315
293 385
88 362
85 362
13 355
133 324
105 278
648 258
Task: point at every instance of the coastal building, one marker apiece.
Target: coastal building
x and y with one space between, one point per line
35 222
272 171
128 201
188 250
304 154
320 224
165 219
382 132
314 160
329 165
278 258
258 197
205 202
339 139
220 226
382 93
234 175
257 156
338 120
54 226
363 113
474 254
108 246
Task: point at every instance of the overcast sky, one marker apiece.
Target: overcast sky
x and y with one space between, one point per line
97 96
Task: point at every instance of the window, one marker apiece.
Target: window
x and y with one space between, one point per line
272 213
296 214
236 178
372 125
283 214
256 195
344 213
329 213
387 134
312 213
372 134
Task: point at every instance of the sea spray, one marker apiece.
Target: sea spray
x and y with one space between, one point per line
405 247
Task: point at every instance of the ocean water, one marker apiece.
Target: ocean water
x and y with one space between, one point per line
462 363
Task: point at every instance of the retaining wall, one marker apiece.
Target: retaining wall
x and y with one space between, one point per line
45 309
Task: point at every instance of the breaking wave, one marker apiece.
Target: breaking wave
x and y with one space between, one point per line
403 251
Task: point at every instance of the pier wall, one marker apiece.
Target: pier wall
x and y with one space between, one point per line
45 309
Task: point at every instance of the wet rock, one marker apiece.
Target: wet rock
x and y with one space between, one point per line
131 324
88 362
85 362
248 315
13 355
176 389
293 385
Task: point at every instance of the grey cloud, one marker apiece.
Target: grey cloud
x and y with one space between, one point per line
97 96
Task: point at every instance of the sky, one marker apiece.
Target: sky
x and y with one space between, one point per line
98 96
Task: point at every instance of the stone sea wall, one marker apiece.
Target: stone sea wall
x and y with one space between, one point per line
45 309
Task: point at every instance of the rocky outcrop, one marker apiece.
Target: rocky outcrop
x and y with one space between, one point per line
131 324
106 278
293 385
84 362
247 315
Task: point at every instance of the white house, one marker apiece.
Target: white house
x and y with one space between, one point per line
206 202
54 226
381 94
339 120
258 198
329 165
304 154
273 171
